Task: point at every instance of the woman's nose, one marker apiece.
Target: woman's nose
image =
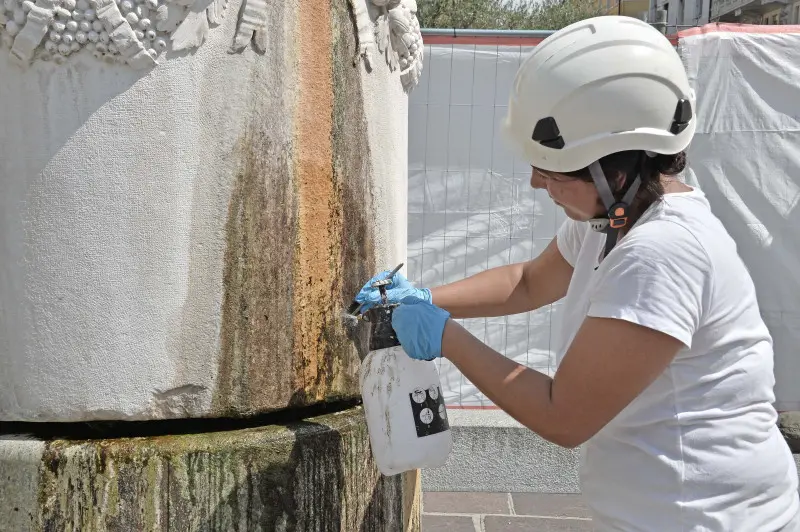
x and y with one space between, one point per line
537 181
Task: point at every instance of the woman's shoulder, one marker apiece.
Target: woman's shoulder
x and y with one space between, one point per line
664 247
664 238
679 223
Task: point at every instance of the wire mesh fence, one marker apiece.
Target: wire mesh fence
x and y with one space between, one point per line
470 204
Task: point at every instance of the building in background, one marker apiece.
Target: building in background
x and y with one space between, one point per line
628 8
756 11
683 13
687 13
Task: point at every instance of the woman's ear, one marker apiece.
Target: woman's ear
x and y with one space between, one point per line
619 182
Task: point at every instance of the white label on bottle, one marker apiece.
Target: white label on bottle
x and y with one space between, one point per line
418 395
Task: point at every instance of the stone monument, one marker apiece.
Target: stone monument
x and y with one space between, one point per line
191 192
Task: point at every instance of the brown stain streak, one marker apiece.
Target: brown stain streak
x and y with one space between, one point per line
260 231
319 219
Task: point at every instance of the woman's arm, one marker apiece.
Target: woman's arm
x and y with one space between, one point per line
609 363
508 289
646 305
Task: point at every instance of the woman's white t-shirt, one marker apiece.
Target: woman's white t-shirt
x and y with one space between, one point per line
699 449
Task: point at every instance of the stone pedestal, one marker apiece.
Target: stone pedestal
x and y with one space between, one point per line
313 475
192 192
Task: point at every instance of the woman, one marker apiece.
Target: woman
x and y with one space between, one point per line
665 376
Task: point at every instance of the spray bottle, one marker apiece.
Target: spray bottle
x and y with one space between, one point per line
403 402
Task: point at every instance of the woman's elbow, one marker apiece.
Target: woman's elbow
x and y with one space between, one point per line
567 437
559 427
567 441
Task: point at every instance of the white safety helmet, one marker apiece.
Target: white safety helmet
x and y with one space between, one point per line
599 86
596 87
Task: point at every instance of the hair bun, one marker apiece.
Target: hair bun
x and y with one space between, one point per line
672 164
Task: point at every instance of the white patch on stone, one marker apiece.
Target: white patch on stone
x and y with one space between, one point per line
396 33
180 402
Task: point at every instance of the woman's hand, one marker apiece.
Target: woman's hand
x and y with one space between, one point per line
419 326
399 288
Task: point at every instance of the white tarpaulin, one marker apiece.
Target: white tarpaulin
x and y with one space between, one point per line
745 157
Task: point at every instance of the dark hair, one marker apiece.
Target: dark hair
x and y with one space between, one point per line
622 167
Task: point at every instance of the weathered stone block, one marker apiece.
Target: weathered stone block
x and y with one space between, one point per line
315 475
179 241
789 423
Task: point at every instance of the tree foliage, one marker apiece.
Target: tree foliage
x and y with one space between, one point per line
506 14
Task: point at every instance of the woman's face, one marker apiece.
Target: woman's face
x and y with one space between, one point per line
578 198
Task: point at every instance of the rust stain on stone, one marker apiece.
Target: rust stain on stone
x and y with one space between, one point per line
351 224
316 262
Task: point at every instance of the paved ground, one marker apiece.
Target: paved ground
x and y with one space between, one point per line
503 512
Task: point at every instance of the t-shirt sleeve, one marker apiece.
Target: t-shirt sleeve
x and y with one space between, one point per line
659 279
569 239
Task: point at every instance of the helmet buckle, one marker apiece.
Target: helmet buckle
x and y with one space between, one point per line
618 215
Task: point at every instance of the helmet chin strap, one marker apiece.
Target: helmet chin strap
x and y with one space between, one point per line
617 211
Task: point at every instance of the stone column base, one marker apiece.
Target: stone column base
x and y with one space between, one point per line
789 423
314 475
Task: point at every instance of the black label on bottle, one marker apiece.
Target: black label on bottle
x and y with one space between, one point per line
430 415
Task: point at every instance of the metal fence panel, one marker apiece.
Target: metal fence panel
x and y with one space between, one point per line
471 206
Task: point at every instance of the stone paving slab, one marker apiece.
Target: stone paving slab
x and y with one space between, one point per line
550 504
503 512
495 523
448 523
467 503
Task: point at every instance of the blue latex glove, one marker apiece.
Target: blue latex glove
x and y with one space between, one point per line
395 292
419 326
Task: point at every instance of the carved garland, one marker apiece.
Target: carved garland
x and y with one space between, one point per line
138 32
133 32
396 33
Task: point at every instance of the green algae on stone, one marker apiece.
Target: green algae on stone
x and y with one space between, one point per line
313 475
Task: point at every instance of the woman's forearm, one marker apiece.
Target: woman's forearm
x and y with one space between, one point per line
508 289
495 292
521 392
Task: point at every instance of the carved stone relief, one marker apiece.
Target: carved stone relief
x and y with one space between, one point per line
396 34
138 32
133 32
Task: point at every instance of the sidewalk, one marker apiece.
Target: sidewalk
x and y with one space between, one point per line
503 512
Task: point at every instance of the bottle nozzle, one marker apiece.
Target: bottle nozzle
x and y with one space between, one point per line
353 308
381 285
